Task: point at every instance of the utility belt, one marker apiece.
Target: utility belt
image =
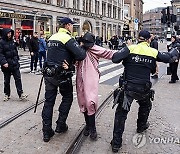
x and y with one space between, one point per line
141 90
57 72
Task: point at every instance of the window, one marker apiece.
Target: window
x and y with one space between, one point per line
84 5
119 13
89 6
96 7
61 3
103 8
109 10
114 11
46 1
178 10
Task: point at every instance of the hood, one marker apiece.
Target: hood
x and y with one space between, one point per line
88 39
4 33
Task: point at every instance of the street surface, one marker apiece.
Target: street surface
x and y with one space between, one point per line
24 135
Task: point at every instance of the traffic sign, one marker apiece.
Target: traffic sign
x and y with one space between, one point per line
136 20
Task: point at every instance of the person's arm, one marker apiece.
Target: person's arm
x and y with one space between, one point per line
30 45
78 52
102 52
168 57
3 60
156 45
44 45
120 55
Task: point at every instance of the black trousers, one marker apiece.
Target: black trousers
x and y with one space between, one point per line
17 77
121 114
51 88
174 67
34 60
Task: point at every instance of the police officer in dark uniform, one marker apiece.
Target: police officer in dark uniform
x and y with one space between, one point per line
62 47
139 61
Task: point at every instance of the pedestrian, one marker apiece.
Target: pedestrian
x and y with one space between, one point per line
61 47
154 44
42 50
86 85
139 61
34 49
174 66
9 61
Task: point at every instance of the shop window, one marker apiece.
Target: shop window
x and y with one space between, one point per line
5 23
27 24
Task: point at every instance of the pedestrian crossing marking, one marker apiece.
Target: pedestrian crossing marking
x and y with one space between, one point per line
107 65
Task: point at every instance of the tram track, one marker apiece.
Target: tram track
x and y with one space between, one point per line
76 143
19 114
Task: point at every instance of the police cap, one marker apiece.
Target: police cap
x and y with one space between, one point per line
66 20
144 35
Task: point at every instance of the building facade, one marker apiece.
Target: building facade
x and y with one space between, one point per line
176 11
101 17
134 17
152 22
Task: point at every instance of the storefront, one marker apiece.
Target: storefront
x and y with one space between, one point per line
24 24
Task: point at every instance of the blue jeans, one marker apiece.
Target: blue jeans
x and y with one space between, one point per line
42 54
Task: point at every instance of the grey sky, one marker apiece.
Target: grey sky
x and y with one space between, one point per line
151 4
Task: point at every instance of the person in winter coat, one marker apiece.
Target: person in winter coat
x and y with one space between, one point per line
174 65
34 49
9 61
87 80
42 50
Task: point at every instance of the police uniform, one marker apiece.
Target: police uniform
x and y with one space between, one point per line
139 62
61 46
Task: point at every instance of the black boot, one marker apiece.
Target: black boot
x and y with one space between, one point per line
141 129
61 128
86 130
92 127
48 132
115 148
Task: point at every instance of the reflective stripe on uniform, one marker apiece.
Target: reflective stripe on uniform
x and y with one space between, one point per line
143 49
63 36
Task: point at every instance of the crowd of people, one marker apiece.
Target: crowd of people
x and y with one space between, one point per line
64 52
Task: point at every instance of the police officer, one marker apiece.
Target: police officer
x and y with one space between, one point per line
139 61
62 47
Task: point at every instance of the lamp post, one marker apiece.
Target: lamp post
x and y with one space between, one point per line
34 23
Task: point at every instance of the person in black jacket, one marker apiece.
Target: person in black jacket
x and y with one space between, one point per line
61 47
34 49
174 66
154 44
139 61
9 64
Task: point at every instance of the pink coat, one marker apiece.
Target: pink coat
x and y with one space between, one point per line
87 78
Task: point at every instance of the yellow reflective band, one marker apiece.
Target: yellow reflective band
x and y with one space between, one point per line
143 49
61 36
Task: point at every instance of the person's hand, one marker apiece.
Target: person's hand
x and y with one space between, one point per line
6 65
65 65
81 43
32 54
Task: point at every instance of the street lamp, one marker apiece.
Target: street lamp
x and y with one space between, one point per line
34 24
